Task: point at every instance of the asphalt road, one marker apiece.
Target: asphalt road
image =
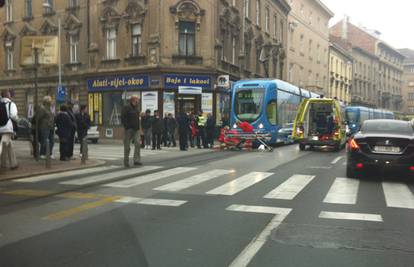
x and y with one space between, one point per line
285 208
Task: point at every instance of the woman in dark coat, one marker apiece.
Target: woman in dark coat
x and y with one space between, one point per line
64 126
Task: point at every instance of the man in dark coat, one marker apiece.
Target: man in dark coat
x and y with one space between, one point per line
171 128
64 126
183 125
83 122
157 130
146 127
73 130
130 121
210 127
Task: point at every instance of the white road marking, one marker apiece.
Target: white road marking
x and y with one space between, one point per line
193 180
350 216
109 176
149 178
290 188
336 160
320 167
64 174
343 191
244 258
152 201
398 195
239 184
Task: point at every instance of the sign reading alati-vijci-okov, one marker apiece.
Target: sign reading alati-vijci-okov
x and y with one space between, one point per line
47 47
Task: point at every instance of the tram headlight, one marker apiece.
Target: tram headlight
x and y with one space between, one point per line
261 126
234 126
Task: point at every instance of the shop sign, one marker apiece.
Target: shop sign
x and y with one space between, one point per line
190 90
175 81
118 83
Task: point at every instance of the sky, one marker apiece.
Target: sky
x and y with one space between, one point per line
394 19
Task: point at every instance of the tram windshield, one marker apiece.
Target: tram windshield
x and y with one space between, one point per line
249 103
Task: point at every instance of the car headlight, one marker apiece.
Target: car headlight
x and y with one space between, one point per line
261 126
234 126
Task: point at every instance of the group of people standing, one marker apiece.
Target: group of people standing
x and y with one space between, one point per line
157 130
67 125
196 128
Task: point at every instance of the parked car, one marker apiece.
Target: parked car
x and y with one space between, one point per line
93 135
381 145
24 129
284 135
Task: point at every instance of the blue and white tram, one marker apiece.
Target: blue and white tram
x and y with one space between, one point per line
356 115
268 105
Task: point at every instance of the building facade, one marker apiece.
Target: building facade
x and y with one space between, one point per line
340 72
308 51
408 82
385 71
168 52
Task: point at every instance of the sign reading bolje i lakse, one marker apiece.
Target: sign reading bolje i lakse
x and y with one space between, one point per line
172 81
117 83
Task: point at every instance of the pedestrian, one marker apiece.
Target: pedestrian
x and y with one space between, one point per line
183 124
83 122
225 121
8 119
73 130
171 128
64 125
192 129
146 127
210 128
157 130
46 124
130 121
165 134
201 131
141 131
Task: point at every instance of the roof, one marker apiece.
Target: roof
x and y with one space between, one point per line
325 8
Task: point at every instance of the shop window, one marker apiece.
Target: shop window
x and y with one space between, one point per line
112 108
271 112
186 38
95 108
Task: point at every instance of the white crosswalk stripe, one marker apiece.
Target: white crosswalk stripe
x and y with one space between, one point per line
193 180
343 191
152 201
61 175
290 188
398 195
109 176
149 178
241 183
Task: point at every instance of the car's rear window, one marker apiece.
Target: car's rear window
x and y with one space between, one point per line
392 127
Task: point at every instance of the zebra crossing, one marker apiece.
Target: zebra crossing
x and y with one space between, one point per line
342 191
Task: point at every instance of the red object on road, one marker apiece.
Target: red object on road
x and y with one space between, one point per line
246 127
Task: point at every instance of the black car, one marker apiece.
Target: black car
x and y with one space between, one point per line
382 145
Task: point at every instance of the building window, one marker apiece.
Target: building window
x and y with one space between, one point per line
48 6
187 38
28 8
411 109
290 78
246 8
275 25
411 96
234 2
9 10
9 55
412 69
136 40
267 18
302 9
258 12
310 17
301 43
73 3
233 50
310 48
281 32
73 48
318 53
110 43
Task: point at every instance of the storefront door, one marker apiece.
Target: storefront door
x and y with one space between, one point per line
188 103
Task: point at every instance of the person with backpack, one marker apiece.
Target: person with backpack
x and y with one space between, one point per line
83 122
8 118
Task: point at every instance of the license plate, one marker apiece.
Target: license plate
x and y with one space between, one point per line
387 149
315 138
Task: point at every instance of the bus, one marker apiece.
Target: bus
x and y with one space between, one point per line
267 104
356 115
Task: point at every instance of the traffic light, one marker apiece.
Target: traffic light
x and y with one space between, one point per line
2 2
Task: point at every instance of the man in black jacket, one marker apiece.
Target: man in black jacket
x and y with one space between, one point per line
146 127
83 122
64 125
183 126
171 127
157 129
130 121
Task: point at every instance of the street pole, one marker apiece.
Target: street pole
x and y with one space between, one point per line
60 55
36 107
